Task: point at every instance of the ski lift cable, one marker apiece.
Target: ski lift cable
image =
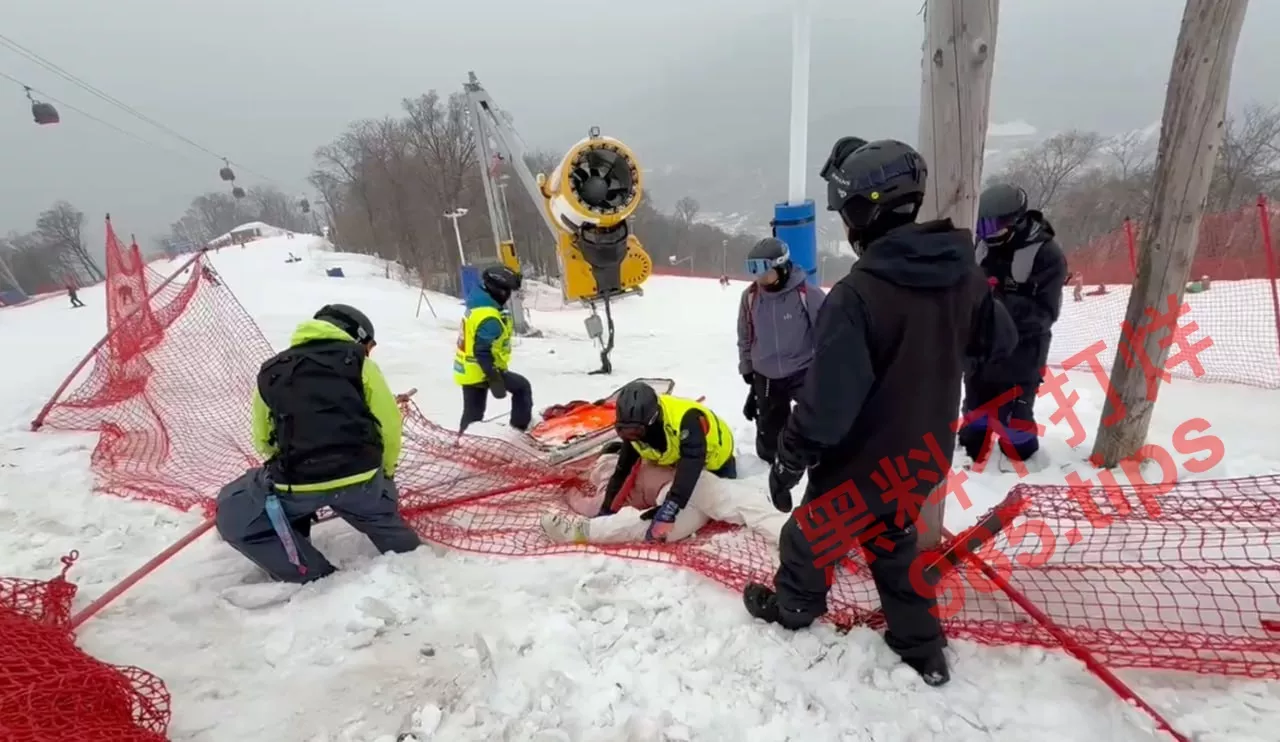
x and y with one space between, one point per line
88 87
136 137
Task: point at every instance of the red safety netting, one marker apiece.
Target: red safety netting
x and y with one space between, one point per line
51 690
1238 306
1197 594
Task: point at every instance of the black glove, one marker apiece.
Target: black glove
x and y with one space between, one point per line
750 409
782 479
749 378
497 386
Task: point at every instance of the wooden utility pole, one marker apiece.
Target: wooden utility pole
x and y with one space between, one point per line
955 95
1190 137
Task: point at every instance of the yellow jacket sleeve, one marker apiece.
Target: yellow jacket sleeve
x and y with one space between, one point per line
261 417
382 403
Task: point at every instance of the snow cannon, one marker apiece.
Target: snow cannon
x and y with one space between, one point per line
590 197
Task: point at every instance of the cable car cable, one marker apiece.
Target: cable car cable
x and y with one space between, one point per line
88 87
136 137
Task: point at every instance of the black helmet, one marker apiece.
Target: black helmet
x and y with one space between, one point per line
500 282
1001 211
768 254
348 319
636 409
874 185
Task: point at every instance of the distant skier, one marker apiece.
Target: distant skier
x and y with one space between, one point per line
329 428
71 294
776 317
893 337
724 282
673 433
712 499
480 363
1028 273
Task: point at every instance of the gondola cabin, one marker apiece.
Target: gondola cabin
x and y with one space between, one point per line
44 113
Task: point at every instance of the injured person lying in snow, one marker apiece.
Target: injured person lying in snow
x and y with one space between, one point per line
713 498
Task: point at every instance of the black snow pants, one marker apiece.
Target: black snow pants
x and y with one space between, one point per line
774 398
803 578
475 398
369 507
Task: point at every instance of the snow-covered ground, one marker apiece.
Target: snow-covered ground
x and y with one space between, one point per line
576 647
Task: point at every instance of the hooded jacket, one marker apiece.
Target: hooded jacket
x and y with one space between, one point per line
893 341
349 422
1028 275
776 328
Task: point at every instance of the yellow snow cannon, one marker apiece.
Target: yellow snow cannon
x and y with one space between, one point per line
590 197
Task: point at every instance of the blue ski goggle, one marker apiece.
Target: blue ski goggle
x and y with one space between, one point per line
761 266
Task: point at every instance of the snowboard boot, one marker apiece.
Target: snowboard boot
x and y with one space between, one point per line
976 442
762 603
932 668
565 528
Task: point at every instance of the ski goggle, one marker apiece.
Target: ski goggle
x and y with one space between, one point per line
761 266
994 229
629 431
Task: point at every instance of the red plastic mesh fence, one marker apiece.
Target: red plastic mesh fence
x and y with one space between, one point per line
1239 309
1195 588
171 406
182 432
131 320
51 690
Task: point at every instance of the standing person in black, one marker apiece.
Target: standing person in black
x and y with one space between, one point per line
1028 272
893 337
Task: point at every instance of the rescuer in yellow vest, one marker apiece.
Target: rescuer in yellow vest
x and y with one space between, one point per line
668 431
480 363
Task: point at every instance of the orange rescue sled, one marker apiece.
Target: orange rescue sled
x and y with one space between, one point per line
581 426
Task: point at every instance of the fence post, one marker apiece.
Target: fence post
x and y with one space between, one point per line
1268 249
1130 240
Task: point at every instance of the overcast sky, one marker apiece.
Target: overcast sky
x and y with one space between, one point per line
267 81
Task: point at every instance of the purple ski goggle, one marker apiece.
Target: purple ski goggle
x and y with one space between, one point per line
992 227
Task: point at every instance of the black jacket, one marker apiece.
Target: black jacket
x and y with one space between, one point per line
1028 275
894 337
321 424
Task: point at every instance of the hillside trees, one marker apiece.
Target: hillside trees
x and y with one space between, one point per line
218 212
385 185
1088 184
49 256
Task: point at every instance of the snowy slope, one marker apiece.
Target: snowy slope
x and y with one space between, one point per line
560 648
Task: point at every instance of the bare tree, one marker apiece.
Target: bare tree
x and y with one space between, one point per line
1046 168
1247 163
687 209
385 185
60 228
272 206
1129 152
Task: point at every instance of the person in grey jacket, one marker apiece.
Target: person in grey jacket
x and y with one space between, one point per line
776 317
